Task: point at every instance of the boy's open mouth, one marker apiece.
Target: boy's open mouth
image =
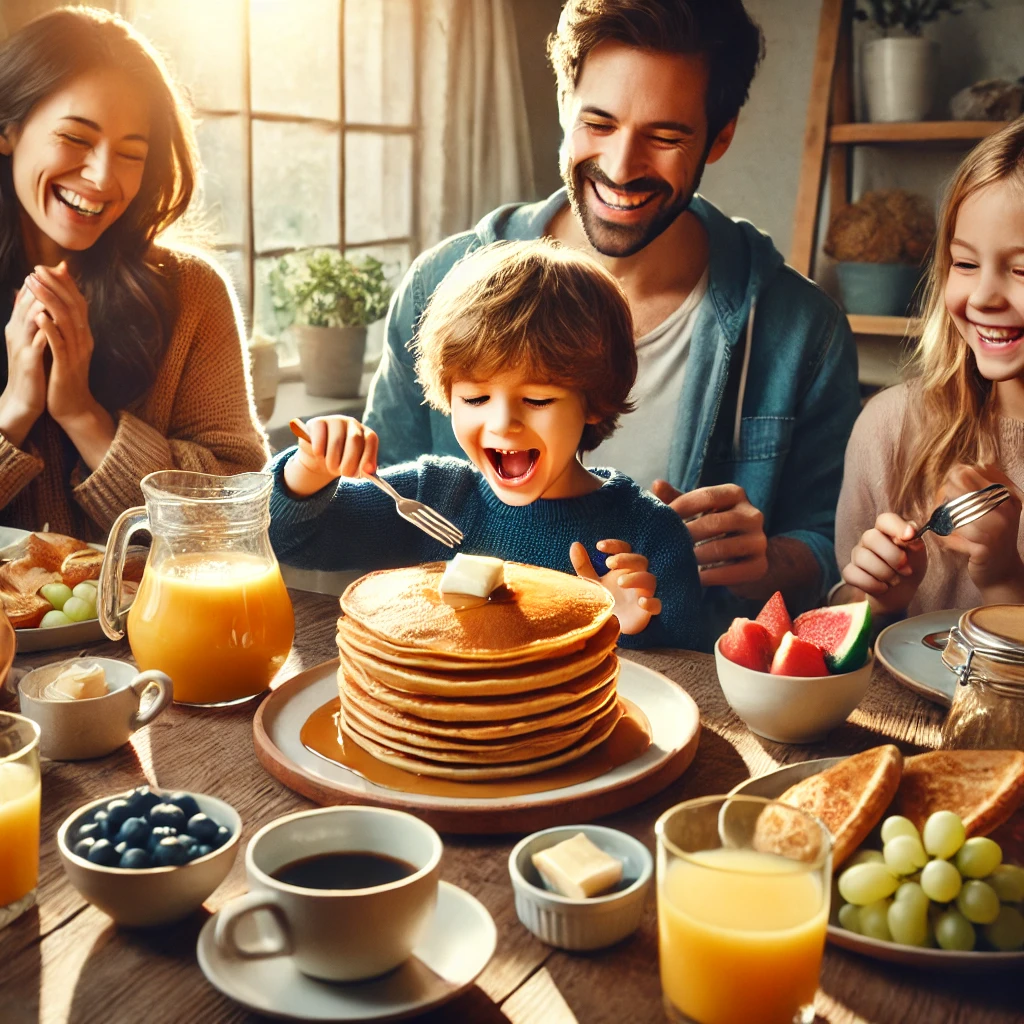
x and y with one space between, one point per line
513 465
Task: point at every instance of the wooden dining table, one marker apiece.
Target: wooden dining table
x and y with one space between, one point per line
64 960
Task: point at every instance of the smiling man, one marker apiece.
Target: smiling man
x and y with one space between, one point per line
747 384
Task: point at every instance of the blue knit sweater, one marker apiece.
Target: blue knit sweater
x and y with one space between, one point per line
353 525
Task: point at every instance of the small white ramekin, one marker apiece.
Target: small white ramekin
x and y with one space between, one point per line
581 924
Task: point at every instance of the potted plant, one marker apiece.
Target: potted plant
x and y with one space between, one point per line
880 243
263 367
328 301
899 69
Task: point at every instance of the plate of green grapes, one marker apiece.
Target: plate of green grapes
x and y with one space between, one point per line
932 898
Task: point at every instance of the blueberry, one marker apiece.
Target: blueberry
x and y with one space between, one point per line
159 833
202 851
134 859
103 852
189 842
222 836
186 802
169 852
202 827
169 815
117 812
120 848
141 799
100 819
90 829
599 560
134 832
83 846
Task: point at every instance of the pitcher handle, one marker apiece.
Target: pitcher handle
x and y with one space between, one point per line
108 604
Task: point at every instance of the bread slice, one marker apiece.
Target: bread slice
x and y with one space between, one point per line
984 787
25 611
49 550
22 576
80 566
850 797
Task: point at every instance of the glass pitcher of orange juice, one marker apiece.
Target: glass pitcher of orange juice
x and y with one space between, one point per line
212 610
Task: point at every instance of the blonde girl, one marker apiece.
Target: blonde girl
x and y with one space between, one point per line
958 423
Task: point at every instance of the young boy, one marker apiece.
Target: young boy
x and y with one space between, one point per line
528 346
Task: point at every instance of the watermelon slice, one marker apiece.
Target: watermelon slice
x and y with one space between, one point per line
747 643
841 631
774 616
796 657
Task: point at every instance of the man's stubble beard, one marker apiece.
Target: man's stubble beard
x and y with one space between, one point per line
616 240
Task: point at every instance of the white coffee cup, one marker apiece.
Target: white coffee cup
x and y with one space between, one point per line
74 730
336 934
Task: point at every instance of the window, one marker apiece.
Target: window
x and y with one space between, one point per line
307 129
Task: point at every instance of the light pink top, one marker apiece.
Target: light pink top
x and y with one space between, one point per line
868 485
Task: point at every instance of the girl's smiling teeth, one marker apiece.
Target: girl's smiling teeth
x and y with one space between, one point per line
617 200
999 335
78 202
513 465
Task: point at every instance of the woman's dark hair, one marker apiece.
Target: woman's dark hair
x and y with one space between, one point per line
132 301
720 30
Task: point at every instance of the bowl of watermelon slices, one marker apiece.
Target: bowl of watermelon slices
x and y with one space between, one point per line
793 681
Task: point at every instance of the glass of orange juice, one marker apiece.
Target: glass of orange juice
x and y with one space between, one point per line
19 815
743 902
212 610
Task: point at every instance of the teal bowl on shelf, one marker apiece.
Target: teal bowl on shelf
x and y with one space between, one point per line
878 289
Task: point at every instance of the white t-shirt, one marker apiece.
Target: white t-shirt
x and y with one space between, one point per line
640 445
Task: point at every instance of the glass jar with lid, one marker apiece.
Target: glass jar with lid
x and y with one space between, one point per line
986 652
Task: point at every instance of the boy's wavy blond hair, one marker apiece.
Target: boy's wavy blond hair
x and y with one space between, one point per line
535 306
951 414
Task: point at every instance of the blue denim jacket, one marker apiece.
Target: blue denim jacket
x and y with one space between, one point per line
800 398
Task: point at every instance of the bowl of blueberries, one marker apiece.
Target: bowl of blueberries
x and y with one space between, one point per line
149 858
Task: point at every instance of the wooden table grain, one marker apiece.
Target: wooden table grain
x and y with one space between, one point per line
65 961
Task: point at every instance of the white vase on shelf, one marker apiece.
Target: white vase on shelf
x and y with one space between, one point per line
899 76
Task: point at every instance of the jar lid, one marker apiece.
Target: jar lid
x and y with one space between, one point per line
989 642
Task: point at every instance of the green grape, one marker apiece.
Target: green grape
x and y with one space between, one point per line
978 857
86 591
1006 932
978 902
866 883
866 857
874 920
56 594
940 881
904 855
912 893
1008 882
943 834
908 922
78 610
54 618
954 931
896 825
849 917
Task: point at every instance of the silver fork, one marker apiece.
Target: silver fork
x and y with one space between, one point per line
963 510
423 516
427 519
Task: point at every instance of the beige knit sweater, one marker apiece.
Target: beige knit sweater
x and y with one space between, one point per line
868 483
198 416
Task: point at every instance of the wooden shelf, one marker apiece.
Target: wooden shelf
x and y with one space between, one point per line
894 326
891 133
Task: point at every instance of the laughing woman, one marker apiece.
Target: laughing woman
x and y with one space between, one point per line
122 357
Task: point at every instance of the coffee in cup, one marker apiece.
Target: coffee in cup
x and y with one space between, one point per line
350 890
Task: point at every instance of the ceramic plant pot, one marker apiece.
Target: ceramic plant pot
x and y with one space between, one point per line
877 289
331 359
899 79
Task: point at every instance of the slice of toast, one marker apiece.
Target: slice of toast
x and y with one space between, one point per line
80 566
25 611
850 797
49 550
22 576
984 787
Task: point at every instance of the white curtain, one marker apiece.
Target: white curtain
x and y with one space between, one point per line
475 151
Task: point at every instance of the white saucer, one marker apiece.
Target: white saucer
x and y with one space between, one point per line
457 946
918 666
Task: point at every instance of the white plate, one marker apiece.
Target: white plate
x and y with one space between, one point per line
75 635
773 785
459 942
910 661
671 712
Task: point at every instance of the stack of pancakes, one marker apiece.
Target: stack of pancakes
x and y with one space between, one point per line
520 684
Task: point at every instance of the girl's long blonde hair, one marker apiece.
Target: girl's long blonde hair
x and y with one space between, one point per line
951 415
